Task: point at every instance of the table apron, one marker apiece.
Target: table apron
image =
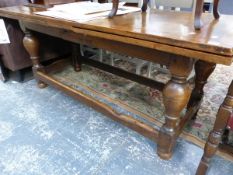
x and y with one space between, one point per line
147 50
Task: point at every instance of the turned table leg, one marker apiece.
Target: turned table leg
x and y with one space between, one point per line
176 94
215 136
202 72
31 44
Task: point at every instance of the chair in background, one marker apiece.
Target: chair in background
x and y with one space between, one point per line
138 63
100 54
14 57
174 5
224 119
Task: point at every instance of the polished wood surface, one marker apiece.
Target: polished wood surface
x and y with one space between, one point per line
153 27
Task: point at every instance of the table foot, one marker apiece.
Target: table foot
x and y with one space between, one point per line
41 85
77 68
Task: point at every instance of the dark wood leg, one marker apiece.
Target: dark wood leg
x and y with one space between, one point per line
225 136
20 75
215 136
202 70
198 13
113 12
144 5
76 57
31 44
215 10
176 94
3 72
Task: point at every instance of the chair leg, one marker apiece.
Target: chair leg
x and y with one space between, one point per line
222 118
149 71
112 59
101 55
138 70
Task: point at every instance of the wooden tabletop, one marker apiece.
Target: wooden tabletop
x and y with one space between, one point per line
170 28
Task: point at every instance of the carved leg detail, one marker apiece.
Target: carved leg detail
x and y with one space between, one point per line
144 5
31 44
113 12
202 70
175 96
198 13
215 136
215 10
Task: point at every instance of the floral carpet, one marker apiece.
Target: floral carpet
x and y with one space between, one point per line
144 102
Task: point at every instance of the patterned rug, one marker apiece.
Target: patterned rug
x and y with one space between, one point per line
143 102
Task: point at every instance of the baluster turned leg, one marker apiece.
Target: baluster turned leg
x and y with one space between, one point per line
176 94
198 13
215 136
202 72
31 44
